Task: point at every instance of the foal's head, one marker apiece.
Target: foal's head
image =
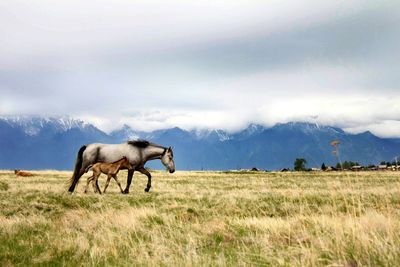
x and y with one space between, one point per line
125 164
167 159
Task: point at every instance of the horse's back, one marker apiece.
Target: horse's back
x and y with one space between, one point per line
108 153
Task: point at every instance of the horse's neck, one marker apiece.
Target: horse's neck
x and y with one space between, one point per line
153 152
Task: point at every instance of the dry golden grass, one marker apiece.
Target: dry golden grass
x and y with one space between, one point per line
203 219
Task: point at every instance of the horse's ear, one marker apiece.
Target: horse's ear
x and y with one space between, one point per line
170 149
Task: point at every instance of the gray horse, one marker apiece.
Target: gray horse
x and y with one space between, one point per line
137 152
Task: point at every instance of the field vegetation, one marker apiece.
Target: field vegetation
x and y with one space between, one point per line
203 219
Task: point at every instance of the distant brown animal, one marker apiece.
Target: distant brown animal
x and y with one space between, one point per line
111 169
23 174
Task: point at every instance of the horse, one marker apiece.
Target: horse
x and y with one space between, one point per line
111 169
23 174
137 152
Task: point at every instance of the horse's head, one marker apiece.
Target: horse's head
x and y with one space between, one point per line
167 159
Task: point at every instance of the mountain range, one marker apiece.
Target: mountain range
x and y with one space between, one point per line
52 143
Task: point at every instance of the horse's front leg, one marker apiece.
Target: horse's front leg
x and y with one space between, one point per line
146 172
128 181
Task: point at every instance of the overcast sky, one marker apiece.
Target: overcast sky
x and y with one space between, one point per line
193 64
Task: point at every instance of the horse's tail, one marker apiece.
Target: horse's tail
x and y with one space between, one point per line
88 168
78 165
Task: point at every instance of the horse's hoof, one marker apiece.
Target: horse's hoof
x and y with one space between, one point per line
147 189
125 192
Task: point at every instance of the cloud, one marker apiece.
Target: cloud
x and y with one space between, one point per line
218 64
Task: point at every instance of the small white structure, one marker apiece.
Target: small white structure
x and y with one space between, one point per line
382 167
356 168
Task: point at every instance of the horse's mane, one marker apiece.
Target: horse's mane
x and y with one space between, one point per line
139 143
143 144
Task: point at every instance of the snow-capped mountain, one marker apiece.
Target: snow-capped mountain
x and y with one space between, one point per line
40 143
35 125
308 128
251 130
126 133
211 135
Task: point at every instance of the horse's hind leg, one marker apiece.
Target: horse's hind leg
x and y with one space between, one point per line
119 184
107 183
128 181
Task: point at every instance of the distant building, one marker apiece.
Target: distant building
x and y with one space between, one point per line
356 168
330 168
373 168
382 167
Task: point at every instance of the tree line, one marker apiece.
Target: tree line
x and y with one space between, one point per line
300 165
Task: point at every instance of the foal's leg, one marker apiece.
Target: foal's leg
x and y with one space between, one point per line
107 183
128 181
146 172
93 182
96 184
87 183
119 184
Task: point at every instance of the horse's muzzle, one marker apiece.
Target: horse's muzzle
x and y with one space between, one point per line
172 171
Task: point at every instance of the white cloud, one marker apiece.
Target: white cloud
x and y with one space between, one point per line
216 64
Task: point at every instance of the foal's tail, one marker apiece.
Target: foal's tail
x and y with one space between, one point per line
77 171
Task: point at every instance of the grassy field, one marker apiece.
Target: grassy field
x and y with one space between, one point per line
203 219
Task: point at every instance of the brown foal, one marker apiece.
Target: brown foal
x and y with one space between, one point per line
111 169
23 174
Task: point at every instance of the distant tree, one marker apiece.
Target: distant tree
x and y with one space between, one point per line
300 164
346 165
323 167
383 163
349 164
338 166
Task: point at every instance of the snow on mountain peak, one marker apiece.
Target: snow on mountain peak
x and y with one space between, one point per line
221 135
126 133
32 125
